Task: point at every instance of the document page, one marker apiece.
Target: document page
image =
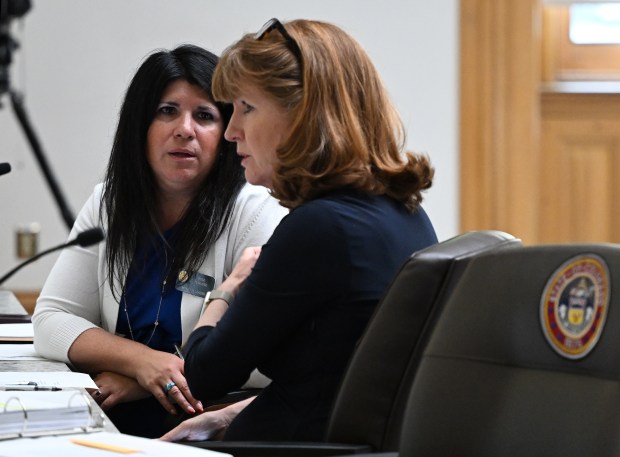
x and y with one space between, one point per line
19 352
96 445
62 379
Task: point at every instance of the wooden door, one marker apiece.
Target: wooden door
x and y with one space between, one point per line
538 160
581 162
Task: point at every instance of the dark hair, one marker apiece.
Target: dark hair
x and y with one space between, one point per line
130 192
345 131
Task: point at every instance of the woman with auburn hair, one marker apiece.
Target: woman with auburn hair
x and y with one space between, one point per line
313 123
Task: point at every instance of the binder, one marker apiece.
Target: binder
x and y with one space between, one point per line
38 413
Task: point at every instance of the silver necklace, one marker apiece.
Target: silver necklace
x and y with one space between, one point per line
161 298
156 323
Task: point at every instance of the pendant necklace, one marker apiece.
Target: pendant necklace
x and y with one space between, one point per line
156 323
161 298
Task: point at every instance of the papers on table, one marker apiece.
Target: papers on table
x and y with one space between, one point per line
16 352
95 445
63 379
17 332
10 305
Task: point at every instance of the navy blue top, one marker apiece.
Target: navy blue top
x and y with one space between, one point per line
145 297
300 313
142 293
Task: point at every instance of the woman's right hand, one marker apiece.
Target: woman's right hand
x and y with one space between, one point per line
208 425
114 388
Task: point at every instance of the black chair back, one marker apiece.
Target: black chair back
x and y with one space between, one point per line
524 360
372 398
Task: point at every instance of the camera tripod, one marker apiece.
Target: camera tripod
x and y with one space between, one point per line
10 9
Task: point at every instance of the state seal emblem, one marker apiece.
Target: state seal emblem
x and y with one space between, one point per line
574 304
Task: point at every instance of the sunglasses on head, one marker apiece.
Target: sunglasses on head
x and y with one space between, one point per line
274 23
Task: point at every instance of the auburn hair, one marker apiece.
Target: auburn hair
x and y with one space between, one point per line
345 131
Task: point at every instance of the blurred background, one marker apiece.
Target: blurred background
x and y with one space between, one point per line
76 57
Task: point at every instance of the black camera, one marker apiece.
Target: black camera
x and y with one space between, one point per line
9 9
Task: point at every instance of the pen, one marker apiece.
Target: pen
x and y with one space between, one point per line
26 387
178 352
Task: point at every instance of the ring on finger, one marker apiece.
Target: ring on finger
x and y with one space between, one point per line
168 387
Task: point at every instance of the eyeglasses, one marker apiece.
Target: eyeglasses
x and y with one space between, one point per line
290 41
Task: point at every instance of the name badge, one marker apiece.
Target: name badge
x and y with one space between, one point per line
194 283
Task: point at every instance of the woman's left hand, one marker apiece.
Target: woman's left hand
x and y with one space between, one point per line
114 388
214 312
163 375
241 270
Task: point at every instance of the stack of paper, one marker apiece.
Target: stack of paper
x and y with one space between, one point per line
23 333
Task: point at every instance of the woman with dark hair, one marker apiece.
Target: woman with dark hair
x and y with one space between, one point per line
313 123
178 215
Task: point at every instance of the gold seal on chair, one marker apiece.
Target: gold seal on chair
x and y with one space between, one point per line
574 305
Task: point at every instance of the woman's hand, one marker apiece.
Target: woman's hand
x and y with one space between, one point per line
216 309
242 270
208 425
152 369
162 374
114 388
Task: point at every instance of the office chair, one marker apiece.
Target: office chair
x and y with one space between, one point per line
368 410
524 359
